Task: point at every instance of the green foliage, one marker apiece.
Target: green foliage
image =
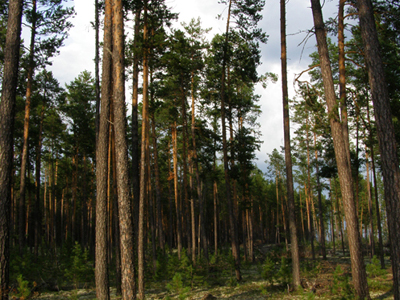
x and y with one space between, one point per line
341 287
269 270
177 285
284 274
23 288
374 268
80 269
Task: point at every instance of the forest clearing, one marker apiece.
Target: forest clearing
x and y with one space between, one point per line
141 180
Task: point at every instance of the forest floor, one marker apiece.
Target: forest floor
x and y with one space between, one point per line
329 279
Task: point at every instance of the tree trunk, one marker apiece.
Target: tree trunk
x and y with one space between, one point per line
135 129
157 186
177 206
101 270
320 209
115 215
342 79
343 163
141 235
196 170
96 65
232 221
7 115
370 211
121 149
288 156
386 137
38 223
24 158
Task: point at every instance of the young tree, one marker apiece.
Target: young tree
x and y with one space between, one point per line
343 164
7 115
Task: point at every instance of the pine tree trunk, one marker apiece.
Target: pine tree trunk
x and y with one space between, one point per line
37 214
96 65
310 197
288 156
342 79
141 234
121 151
24 158
135 131
370 212
157 186
177 206
196 170
101 270
343 163
320 209
114 225
232 221
7 115
386 137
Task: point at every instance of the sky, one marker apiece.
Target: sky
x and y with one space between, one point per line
77 54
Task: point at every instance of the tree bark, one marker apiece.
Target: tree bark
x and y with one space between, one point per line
101 270
232 221
7 115
177 206
142 197
294 248
135 129
343 164
24 158
121 151
386 137
320 209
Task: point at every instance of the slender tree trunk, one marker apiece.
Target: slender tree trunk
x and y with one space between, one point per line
121 149
343 163
386 137
141 236
320 209
157 186
150 206
177 206
370 211
196 170
332 217
232 221
294 248
378 214
135 129
37 175
310 196
96 65
170 221
24 158
342 80
101 270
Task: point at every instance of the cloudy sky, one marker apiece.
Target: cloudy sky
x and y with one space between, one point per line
78 53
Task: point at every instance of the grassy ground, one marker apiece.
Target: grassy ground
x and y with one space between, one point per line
330 279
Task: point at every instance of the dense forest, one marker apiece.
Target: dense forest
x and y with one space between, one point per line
157 188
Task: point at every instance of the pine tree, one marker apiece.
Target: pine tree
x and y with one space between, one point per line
387 141
7 115
343 164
